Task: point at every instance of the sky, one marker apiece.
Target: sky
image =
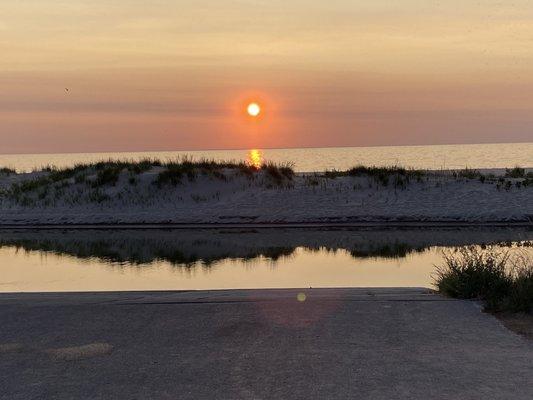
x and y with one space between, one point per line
177 75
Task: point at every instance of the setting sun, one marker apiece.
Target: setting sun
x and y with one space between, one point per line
253 109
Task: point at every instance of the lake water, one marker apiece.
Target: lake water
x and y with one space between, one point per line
120 260
88 260
503 155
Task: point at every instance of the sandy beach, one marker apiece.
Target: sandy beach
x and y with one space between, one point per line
227 197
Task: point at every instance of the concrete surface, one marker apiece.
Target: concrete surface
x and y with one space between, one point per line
258 344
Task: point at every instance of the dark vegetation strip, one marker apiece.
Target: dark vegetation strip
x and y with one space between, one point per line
145 252
501 279
139 253
107 173
176 171
7 171
397 176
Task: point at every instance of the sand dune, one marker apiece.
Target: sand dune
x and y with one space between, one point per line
230 196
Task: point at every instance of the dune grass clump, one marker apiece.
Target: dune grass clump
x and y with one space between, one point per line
107 176
392 251
516 172
502 281
518 177
278 172
49 181
143 165
7 171
172 175
468 173
174 172
107 173
397 176
51 178
59 174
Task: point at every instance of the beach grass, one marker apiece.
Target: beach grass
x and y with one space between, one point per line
469 173
502 280
94 182
108 173
174 172
397 177
7 171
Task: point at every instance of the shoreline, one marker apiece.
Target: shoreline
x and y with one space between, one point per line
274 225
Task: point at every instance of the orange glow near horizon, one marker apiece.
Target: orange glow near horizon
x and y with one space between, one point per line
181 75
272 127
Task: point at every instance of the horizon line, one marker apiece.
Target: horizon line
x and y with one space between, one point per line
261 148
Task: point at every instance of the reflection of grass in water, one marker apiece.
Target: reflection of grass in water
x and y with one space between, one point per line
79 249
203 252
131 252
394 250
146 252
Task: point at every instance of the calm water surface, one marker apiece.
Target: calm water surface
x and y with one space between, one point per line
320 159
119 260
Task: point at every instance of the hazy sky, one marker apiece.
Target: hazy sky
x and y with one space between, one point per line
165 75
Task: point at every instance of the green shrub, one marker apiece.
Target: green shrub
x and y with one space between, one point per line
520 297
503 282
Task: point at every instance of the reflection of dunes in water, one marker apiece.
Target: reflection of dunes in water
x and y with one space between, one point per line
138 253
187 248
389 250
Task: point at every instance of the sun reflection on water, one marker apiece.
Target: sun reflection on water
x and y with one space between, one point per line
255 158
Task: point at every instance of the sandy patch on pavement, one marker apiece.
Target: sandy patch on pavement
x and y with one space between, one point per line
518 323
80 352
11 347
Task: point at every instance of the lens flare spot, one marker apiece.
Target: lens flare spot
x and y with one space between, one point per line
301 297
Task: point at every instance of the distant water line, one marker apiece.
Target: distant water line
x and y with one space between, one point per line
481 156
